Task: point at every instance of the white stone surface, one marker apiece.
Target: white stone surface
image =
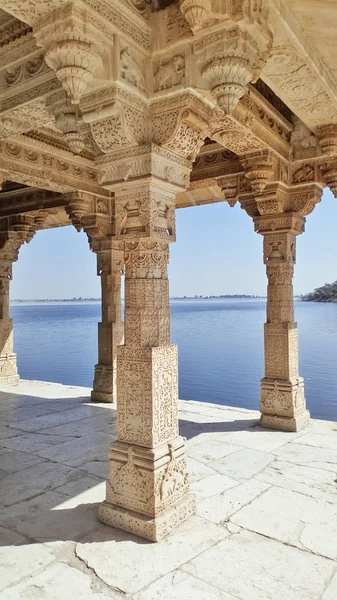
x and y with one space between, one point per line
242 464
178 585
220 507
137 563
266 523
308 523
252 567
331 591
55 582
17 562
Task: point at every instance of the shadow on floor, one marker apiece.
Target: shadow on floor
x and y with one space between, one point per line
54 462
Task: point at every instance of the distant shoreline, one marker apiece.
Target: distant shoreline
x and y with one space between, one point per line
86 300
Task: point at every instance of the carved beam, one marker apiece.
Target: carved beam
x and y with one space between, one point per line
295 72
37 164
28 200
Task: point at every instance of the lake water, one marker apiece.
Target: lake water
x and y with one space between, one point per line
220 348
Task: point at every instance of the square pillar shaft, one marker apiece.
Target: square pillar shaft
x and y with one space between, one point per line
8 368
147 490
110 265
283 403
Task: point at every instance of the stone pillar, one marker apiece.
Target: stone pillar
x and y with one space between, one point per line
147 490
94 214
110 266
8 368
283 403
13 233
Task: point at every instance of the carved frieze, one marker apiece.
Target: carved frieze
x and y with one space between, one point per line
39 165
24 118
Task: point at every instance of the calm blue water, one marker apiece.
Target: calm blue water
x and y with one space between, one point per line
220 348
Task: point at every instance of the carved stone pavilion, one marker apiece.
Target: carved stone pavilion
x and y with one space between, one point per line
113 113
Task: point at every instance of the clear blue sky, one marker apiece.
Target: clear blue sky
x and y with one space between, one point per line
217 252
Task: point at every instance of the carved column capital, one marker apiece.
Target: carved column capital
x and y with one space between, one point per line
278 223
327 135
279 187
120 168
181 123
90 212
145 212
263 167
118 118
329 172
14 231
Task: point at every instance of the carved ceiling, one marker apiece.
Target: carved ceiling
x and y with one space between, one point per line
90 85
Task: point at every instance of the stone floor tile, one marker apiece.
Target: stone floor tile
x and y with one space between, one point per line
55 582
328 427
17 562
80 485
12 516
12 461
214 430
211 485
58 418
256 438
331 591
24 413
33 442
78 451
311 481
35 480
70 520
99 422
242 464
7 432
221 506
252 567
98 467
130 564
321 440
11 538
198 470
48 389
56 503
319 458
182 586
10 401
293 518
208 451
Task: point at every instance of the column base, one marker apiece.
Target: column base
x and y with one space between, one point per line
10 380
8 369
152 529
104 384
147 492
102 397
285 423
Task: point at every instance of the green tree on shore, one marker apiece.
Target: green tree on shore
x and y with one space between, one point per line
326 293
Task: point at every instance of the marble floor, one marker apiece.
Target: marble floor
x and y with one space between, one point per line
266 522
